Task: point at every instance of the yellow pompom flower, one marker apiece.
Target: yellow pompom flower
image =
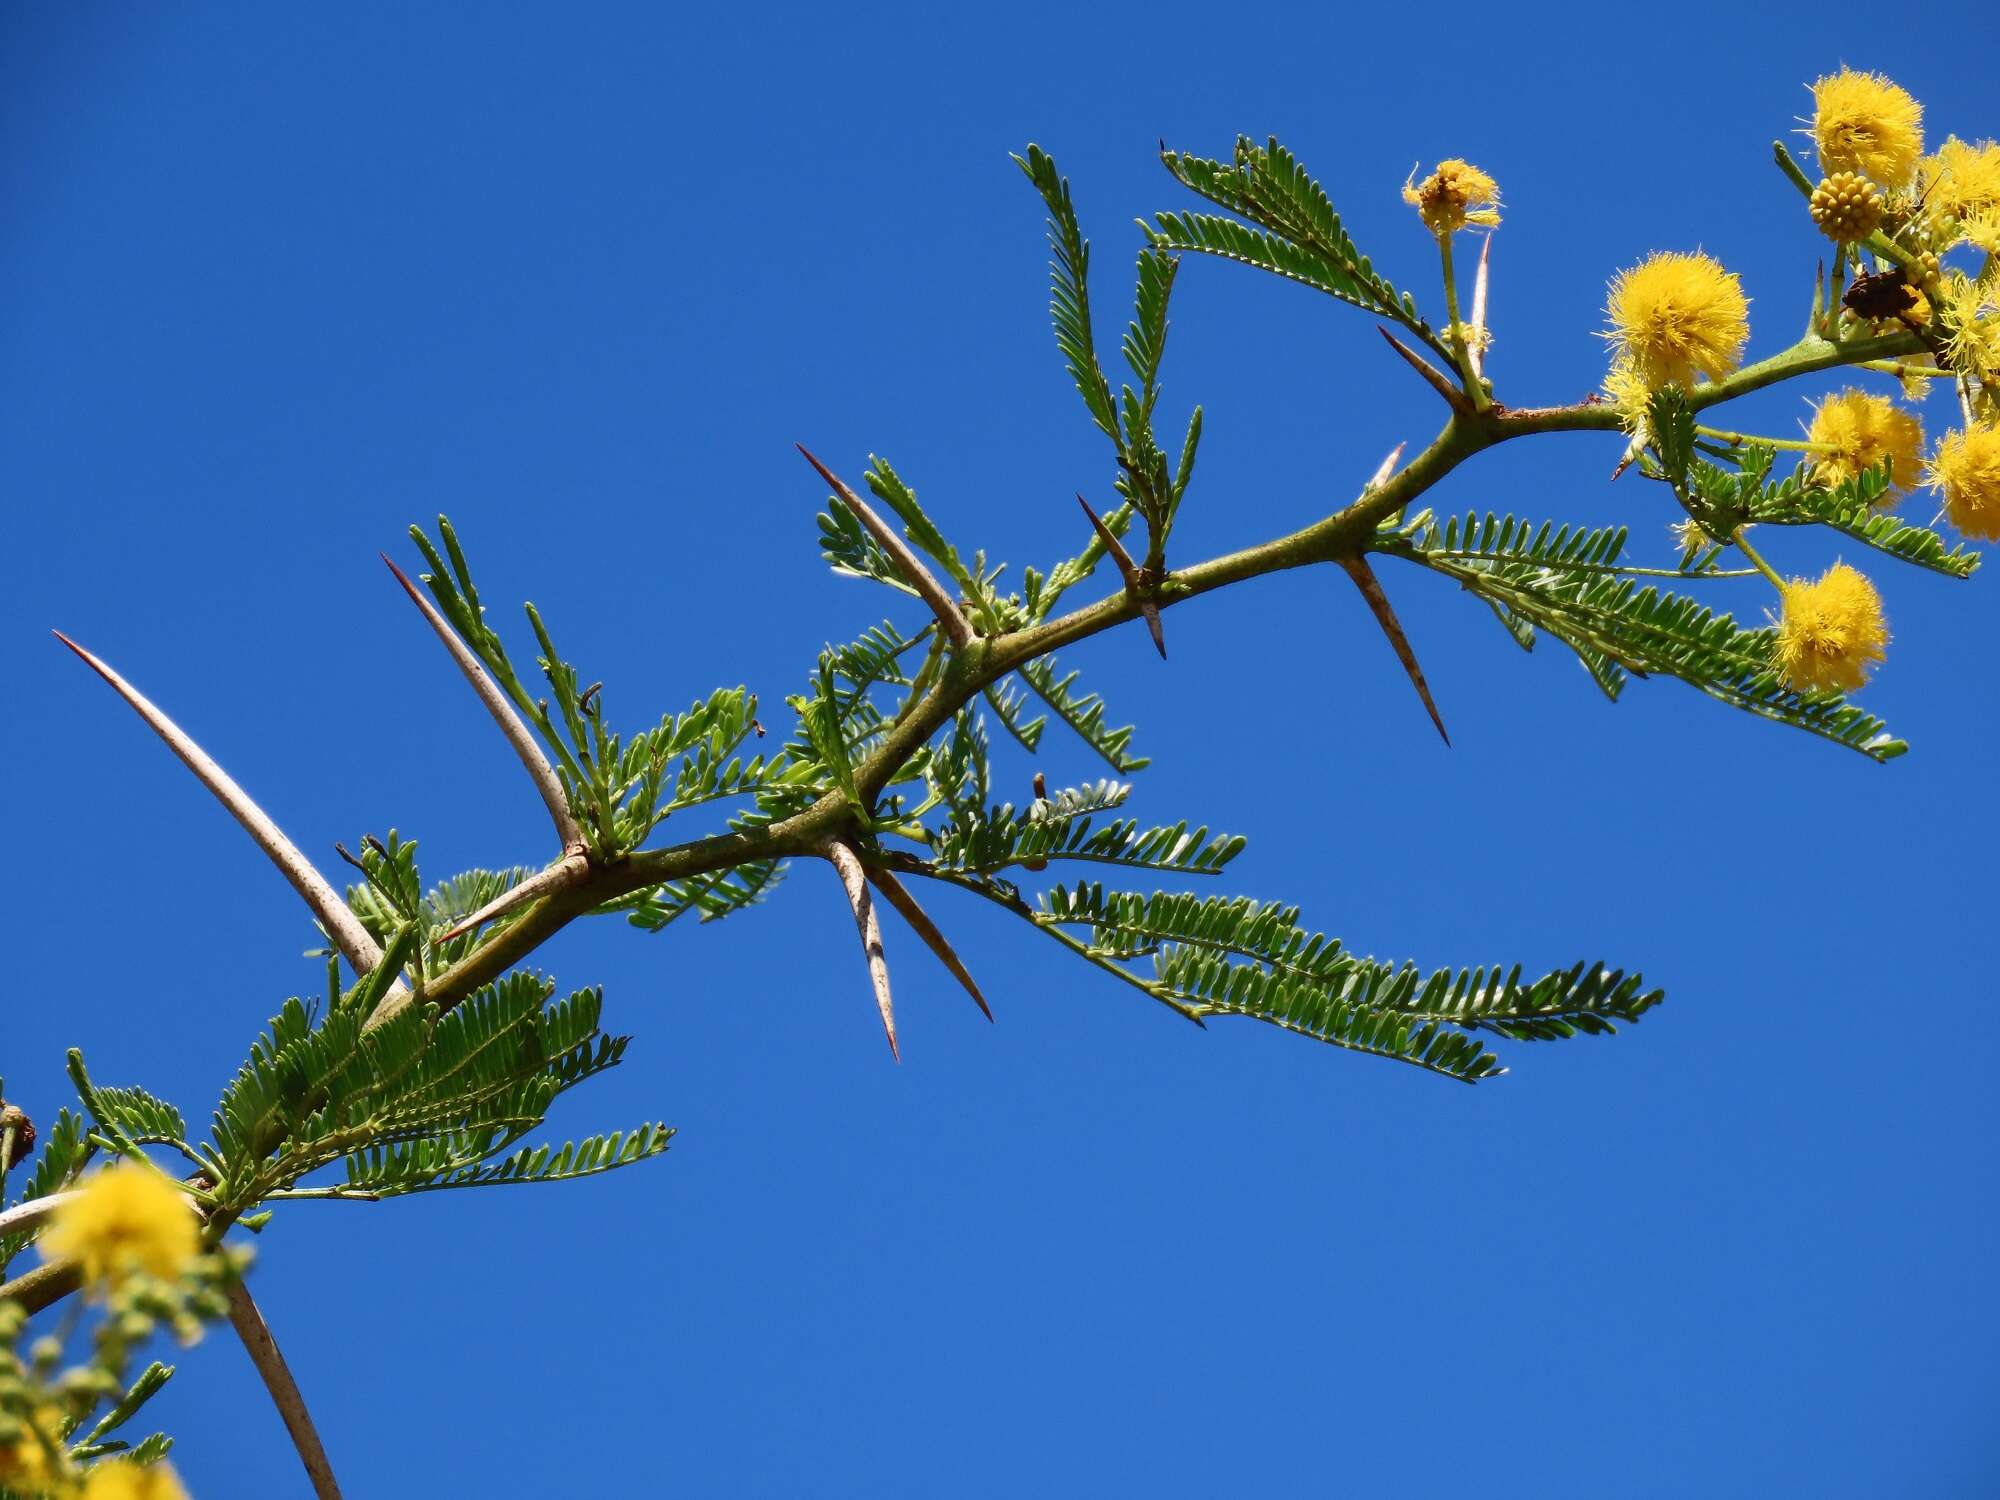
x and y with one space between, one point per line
1961 182
121 1479
1860 429
1675 316
125 1218
1832 632
1966 467
1864 123
1455 195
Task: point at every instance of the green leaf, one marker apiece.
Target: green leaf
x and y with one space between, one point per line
822 723
922 532
1302 237
141 1118
850 548
461 1161
1010 708
712 896
983 843
1670 421
1854 509
1232 956
1083 713
1069 290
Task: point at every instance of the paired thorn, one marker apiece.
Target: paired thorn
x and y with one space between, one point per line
950 620
565 872
854 880
517 734
906 906
1454 397
340 923
1134 576
1479 280
1371 589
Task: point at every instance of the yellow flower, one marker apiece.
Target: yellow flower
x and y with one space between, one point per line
1967 468
120 1479
1864 123
1982 230
1862 429
37 1462
1972 311
1455 195
124 1218
1674 316
1959 181
1832 631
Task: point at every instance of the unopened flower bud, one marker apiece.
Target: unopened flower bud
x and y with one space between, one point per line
1847 207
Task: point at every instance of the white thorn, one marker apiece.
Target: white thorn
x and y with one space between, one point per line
340 923
1387 468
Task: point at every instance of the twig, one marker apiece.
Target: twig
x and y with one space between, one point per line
855 881
925 928
1453 396
517 734
264 1354
341 924
920 577
1371 589
1130 572
565 872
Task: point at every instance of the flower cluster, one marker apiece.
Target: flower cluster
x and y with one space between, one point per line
1895 214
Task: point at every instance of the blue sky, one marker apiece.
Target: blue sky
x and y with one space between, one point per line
282 282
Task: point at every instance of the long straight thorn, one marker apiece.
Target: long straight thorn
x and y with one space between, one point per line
1477 350
565 872
925 928
1371 589
1129 571
854 881
920 577
1453 396
340 923
517 734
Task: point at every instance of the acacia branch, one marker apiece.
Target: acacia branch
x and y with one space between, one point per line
964 673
